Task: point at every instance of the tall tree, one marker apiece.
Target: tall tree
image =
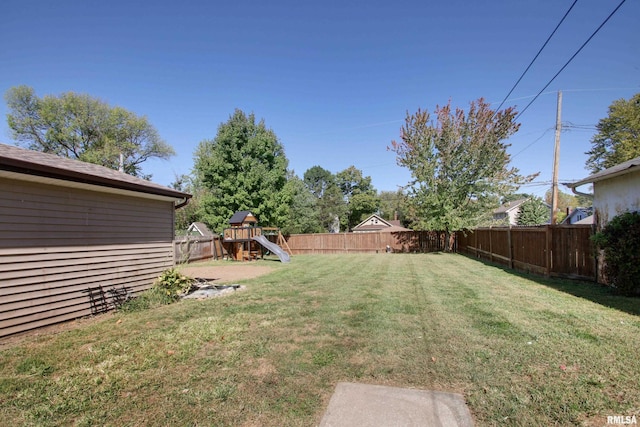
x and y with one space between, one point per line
188 214
533 212
459 164
359 194
318 180
81 127
303 216
243 168
330 203
394 203
515 196
566 201
618 137
331 208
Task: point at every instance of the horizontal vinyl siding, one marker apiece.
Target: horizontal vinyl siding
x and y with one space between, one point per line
36 215
56 243
35 293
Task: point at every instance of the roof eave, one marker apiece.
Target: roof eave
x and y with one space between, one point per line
46 171
613 172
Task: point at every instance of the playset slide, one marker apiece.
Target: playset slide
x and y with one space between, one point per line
284 257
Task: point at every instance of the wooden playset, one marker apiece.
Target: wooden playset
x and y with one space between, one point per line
244 240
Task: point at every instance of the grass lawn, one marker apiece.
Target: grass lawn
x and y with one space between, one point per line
521 349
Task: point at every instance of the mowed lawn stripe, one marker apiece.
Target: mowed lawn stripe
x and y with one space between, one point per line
522 350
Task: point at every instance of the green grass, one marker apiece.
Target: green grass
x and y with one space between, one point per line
522 350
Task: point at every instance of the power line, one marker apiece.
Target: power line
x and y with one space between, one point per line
566 127
570 59
536 140
537 54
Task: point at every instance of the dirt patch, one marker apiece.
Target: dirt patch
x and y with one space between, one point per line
225 273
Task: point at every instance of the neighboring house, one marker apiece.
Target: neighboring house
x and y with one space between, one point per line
76 238
590 220
579 216
615 190
199 229
508 213
375 223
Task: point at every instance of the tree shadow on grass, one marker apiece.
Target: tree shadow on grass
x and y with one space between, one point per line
594 292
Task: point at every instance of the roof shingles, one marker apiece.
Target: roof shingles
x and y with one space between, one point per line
16 159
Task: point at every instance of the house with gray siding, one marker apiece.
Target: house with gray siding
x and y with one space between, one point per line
76 238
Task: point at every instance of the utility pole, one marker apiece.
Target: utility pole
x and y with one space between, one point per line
556 161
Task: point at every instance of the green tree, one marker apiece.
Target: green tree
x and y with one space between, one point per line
533 212
81 127
318 180
182 183
515 196
302 214
618 137
566 202
359 194
331 208
330 203
394 203
243 168
459 164
188 214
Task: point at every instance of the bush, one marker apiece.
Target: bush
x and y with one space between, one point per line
620 241
173 284
166 289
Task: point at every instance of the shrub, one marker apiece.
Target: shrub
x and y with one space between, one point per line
167 288
620 241
173 284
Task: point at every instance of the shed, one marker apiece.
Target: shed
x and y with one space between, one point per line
615 190
76 238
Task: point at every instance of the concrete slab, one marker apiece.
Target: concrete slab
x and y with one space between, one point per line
365 405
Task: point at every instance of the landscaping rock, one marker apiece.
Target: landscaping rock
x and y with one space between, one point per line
210 290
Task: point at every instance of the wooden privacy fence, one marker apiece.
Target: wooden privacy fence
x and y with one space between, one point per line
194 248
551 250
400 241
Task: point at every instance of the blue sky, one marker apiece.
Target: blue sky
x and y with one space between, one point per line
334 80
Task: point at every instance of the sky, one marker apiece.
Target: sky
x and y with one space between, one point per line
333 79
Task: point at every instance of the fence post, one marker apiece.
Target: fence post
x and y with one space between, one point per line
475 242
490 244
548 251
510 248
596 254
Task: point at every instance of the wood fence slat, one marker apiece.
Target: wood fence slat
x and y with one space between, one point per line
551 250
